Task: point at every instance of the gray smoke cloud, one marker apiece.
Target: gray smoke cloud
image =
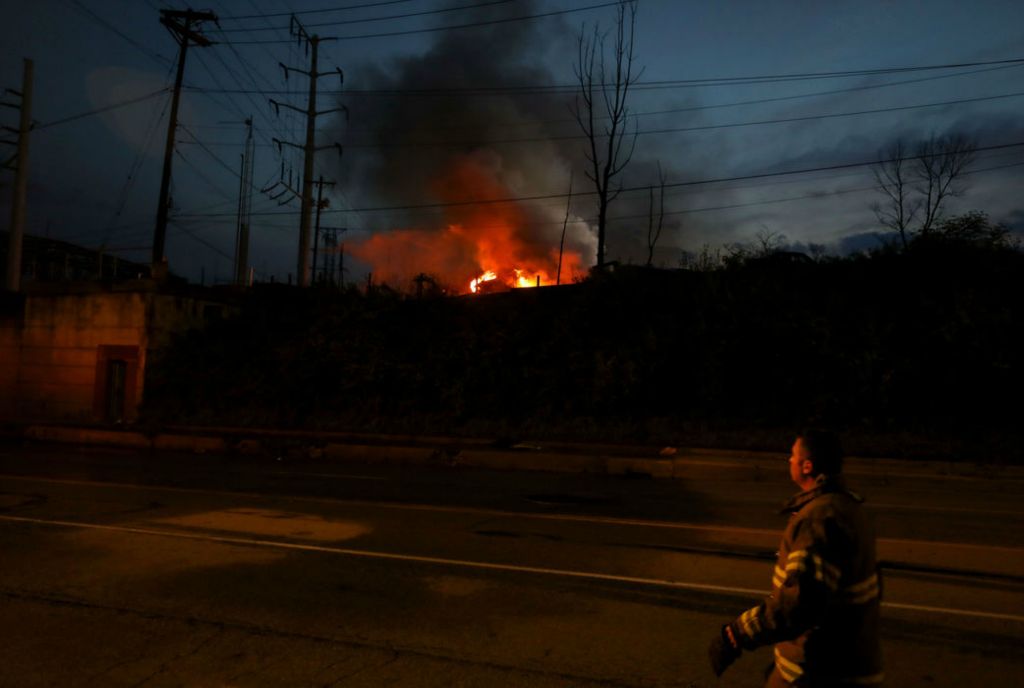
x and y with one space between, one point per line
400 149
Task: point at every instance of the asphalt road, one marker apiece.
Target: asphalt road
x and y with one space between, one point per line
129 569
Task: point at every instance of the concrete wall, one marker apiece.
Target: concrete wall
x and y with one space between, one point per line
61 342
10 351
54 359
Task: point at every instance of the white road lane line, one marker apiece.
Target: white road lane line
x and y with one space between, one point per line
945 509
955 612
476 511
771 534
277 544
564 573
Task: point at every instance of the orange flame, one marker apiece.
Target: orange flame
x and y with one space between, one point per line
474 285
484 244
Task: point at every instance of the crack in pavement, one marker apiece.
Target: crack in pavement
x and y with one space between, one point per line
386 663
165 666
266 631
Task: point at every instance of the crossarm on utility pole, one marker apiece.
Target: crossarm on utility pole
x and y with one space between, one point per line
179 23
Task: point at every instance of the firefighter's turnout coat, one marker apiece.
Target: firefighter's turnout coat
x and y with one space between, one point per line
822 613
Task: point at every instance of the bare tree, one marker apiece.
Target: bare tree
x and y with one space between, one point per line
916 186
941 163
601 108
654 233
768 241
705 260
893 177
565 225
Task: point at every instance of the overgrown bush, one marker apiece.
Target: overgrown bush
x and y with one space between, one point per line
926 342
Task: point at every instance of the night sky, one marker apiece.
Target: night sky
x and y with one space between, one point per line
489 93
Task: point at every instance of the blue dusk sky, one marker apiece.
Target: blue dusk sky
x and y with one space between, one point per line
728 91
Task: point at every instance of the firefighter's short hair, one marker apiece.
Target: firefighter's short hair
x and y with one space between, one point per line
825 449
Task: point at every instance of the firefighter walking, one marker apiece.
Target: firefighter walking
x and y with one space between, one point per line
823 611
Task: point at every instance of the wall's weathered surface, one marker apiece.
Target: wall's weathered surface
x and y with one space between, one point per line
60 344
55 358
12 309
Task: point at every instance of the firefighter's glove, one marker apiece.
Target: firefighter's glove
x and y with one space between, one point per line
723 651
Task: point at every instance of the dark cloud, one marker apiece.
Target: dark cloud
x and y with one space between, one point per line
1014 221
388 153
865 241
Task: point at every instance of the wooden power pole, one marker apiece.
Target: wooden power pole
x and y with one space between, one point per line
181 23
20 180
244 211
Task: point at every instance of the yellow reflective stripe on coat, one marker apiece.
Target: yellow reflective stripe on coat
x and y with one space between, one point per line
823 571
869 582
861 592
750 622
789 669
779 578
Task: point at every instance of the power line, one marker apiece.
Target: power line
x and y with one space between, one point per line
560 89
164 90
732 206
209 152
199 173
750 204
673 130
367 20
107 108
696 182
234 107
716 106
274 125
435 29
204 242
320 11
110 27
136 164
216 159
772 201
852 89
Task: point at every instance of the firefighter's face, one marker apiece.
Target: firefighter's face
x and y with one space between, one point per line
800 466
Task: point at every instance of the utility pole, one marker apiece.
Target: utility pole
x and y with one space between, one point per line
310 148
321 203
244 210
331 249
20 178
180 23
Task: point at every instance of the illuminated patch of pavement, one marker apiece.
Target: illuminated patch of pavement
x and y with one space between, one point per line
569 500
272 522
9 501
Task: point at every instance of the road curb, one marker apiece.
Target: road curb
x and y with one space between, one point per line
652 462
70 435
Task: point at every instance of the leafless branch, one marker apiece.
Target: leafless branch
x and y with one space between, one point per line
612 73
915 186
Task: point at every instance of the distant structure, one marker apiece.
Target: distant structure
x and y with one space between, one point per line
52 260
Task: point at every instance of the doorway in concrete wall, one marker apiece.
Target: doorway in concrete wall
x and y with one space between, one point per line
117 369
116 372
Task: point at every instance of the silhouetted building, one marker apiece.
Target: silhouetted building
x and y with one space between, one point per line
53 260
